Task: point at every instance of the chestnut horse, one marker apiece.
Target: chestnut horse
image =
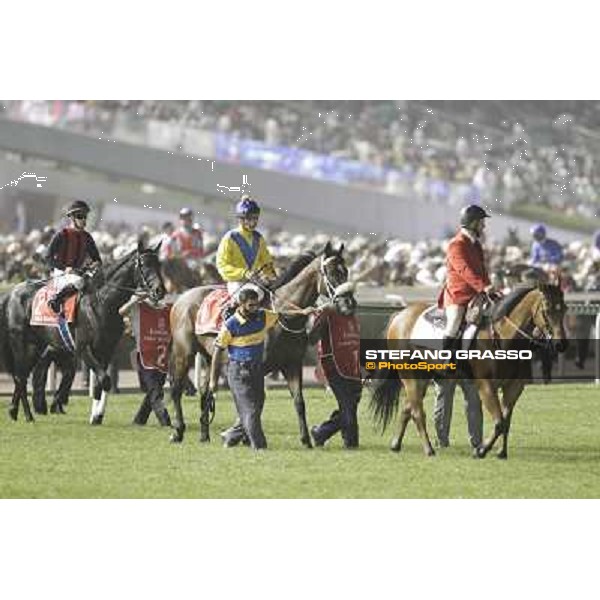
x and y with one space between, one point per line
514 320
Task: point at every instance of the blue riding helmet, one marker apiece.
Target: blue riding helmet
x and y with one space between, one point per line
538 231
247 207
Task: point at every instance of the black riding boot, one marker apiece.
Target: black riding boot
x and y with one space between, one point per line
55 303
448 342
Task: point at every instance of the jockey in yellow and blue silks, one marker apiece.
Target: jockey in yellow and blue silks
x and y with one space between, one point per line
243 254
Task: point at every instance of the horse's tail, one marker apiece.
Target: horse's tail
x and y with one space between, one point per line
385 389
385 394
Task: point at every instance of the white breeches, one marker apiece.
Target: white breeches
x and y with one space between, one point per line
62 279
454 317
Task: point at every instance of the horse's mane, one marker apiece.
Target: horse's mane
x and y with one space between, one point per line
503 308
297 265
111 269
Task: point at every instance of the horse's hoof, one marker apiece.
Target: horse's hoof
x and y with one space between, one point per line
12 413
430 452
41 410
97 420
204 438
306 442
57 409
479 452
396 446
502 455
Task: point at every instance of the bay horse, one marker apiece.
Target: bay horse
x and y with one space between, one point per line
514 320
305 279
97 329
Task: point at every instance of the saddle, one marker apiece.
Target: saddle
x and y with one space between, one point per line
43 316
429 327
209 317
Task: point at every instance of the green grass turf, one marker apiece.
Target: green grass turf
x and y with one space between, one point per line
554 453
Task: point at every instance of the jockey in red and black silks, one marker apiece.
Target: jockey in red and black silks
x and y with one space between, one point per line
70 249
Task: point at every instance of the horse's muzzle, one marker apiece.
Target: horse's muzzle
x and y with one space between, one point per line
345 305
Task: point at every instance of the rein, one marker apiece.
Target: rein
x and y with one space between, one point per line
330 288
519 330
146 287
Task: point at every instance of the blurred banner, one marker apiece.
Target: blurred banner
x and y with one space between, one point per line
297 161
306 163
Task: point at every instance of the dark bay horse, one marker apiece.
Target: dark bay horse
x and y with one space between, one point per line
300 286
514 320
96 332
67 364
64 360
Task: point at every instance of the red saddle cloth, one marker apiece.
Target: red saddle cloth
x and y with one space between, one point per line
209 317
42 314
154 337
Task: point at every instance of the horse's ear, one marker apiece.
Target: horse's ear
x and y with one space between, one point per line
157 247
140 246
327 250
341 249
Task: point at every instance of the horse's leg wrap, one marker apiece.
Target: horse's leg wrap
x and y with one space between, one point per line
98 408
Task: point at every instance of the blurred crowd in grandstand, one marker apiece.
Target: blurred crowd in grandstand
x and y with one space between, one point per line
386 263
534 151
540 151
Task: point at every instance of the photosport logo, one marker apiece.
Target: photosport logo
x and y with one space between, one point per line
427 358
435 360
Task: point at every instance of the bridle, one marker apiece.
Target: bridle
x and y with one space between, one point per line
546 329
323 282
330 288
146 285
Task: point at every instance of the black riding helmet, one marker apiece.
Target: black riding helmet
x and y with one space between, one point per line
78 206
471 214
